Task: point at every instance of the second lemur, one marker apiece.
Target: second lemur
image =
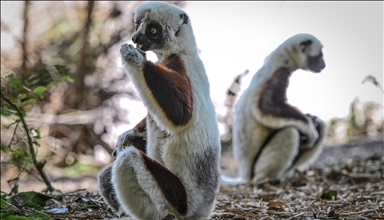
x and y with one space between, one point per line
270 136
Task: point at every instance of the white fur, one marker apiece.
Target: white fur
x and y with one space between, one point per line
177 148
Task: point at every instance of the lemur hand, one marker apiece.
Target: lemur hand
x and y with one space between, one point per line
132 56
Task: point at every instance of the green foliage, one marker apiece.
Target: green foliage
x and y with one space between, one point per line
39 215
31 199
4 148
14 217
18 96
7 206
15 81
39 90
330 195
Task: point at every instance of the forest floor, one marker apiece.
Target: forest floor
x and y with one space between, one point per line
346 182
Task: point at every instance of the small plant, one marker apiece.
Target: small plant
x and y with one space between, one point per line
17 97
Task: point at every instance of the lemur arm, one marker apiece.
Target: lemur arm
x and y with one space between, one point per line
171 89
164 88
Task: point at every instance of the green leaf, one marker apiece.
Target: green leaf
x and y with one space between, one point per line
21 96
66 78
14 217
51 84
39 215
4 148
330 195
15 81
31 101
7 206
54 192
30 198
4 111
37 136
19 154
39 90
23 113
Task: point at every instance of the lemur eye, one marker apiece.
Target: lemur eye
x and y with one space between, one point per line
153 31
137 26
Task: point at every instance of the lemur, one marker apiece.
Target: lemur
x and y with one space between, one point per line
270 136
169 162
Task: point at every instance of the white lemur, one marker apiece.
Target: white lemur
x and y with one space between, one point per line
270 136
169 162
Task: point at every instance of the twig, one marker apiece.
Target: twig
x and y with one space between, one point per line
24 38
76 191
13 136
30 144
295 216
360 212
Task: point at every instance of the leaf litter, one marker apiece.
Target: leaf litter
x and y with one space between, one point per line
353 190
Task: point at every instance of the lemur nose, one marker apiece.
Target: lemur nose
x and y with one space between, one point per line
136 37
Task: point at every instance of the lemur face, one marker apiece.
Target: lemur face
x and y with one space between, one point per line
157 27
312 50
149 35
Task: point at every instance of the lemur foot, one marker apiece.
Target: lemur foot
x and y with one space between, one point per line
309 140
132 56
125 139
168 217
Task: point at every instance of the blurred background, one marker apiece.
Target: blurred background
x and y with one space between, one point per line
71 50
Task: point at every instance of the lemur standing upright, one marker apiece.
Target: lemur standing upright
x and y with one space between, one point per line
270 136
169 162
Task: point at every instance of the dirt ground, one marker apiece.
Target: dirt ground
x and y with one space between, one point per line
346 182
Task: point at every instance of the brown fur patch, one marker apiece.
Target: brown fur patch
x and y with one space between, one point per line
273 99
141 126
138 143
169 184
171 89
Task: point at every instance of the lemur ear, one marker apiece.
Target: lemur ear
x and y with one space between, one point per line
304 45
185 18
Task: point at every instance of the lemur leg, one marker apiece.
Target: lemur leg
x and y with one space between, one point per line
277 155
246 146
106 189
307 156
244 154
134 137
245 163
145 188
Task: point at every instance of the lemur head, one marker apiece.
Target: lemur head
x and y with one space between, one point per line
163 28
304 52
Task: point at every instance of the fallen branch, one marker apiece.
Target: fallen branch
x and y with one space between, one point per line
360 212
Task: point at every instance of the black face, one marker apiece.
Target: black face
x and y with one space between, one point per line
153 36
316 63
